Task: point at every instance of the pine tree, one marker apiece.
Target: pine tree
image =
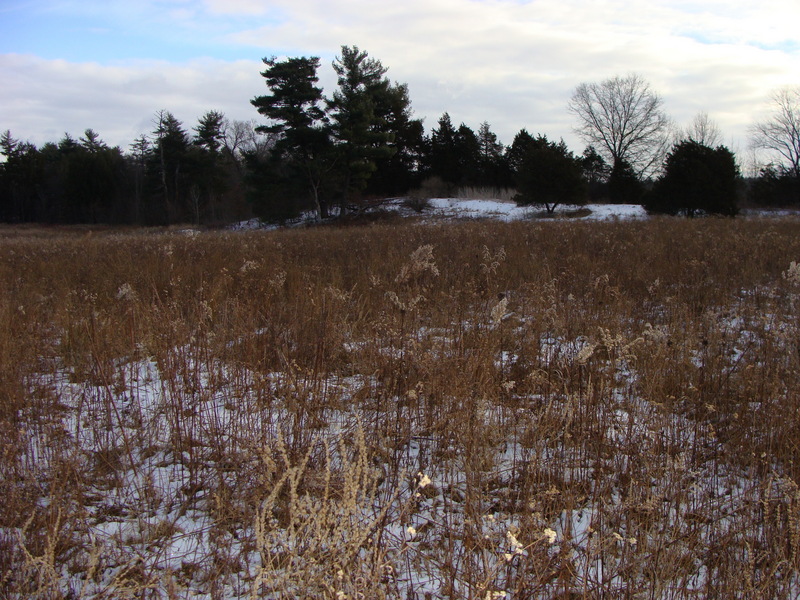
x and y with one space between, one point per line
468 156
301 157
548 174
208 133
8 144
399 171
140 151
208 169
359 119
91 141
624 187
442 157
171 146
697 179
519 147
596 171
492 171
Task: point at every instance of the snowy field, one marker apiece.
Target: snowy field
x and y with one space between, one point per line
508 211
590 407
455 209
500 210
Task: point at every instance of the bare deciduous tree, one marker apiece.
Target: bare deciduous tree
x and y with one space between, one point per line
780 134
240 138
624 119
703 131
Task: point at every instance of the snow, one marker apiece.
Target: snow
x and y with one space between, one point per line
157 499
509 211
153 496
461 208
501 210
605 212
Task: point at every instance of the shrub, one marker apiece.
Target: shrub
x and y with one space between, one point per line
433 187
624 187
697 179
549 175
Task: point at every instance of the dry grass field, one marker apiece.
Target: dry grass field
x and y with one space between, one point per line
471 410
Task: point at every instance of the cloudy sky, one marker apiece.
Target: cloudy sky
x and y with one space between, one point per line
68 65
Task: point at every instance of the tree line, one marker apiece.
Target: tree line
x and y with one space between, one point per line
347 152
168 176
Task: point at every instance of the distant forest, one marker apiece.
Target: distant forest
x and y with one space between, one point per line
346 153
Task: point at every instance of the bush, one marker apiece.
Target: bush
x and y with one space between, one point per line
624 187
549 175
433 187
697 179
774 187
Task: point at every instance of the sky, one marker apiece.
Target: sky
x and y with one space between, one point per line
69 65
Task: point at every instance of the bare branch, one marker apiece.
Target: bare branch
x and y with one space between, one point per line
702 130
624 119
780 135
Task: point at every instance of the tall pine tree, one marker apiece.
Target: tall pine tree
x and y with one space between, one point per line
359 112
302 151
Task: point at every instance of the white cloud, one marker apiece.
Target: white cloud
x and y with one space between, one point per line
237 7
42 99
515 64
511 63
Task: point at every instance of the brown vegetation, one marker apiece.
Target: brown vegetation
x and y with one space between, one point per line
546 410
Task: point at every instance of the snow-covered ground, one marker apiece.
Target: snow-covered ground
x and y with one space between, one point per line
506 210
174 442
502 210
161 513
509 211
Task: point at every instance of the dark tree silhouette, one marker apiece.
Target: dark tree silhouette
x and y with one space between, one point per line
624 187
697 179
358 111
302 155
548 175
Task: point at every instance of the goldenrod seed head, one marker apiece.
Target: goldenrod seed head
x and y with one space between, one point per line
550 535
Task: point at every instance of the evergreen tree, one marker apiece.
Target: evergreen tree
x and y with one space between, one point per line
596 171
493 169
140 151
398 171
468 156
171 145
83 180
91 141
68 144
92 180
21 176
454 155
548 174
515 153
208 166
49 202
774 186
697 179
442 156
72 181
8 144
208 132
359 120
302 155
624 187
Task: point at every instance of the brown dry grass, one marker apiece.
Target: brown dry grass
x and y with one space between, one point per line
605 410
